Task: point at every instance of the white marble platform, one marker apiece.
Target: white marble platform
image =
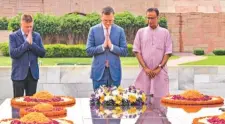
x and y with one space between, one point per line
75 81
82 114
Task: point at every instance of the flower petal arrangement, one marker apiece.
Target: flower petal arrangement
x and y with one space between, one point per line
113 96
35 118
216 119
42 97
119 111
192 97
47 109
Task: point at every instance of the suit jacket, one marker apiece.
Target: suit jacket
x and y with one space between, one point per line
25 55
94 48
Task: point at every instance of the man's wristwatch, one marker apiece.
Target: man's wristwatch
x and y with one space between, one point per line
160 66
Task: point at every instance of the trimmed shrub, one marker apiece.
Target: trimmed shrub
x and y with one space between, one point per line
219 52
4 48
61 50
199 52
3 23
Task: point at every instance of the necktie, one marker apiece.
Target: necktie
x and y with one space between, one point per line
107 38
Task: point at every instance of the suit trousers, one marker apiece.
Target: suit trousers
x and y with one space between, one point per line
29 85
106 80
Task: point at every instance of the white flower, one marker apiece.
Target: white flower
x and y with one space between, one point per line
115 116
99 91
108 112
101 113
125 113
114 88
125 96
115 92
107 98
139 96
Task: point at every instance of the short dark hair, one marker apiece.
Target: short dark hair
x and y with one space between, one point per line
153 9
27 18
107 10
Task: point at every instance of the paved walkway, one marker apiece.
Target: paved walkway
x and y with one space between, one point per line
185 59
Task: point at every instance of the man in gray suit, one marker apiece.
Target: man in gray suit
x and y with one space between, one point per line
25 46
106 43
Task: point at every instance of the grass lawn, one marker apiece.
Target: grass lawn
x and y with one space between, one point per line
211 60
6 61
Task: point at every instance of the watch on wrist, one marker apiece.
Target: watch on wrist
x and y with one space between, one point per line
160 66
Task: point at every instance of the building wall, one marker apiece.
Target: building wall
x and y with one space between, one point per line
193 24
197 30
10 8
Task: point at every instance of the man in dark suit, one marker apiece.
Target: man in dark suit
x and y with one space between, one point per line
25 48
106 43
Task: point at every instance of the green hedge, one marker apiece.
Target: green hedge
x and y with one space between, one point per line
60 50
46 24
130 48
163 22
3 23
78 24
14 23
4 48
219 52
199 52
